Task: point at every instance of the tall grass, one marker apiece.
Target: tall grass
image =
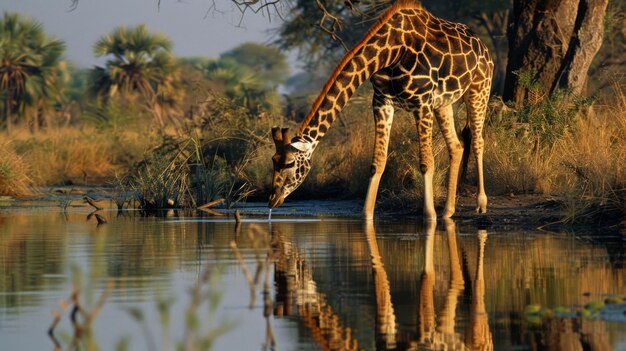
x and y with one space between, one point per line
566 146
14 172
594 161
79 155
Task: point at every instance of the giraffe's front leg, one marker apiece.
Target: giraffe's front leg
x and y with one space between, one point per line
383 118
424 119
445 117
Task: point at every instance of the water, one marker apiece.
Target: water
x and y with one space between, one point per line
323 282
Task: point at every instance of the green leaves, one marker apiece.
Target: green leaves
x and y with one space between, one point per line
31 66
140 64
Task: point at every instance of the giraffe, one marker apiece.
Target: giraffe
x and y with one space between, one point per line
415 62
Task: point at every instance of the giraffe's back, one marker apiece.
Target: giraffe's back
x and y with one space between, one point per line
440 61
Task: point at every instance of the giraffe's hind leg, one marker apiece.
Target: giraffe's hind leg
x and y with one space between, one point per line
383 118
445 118
424 120
476 100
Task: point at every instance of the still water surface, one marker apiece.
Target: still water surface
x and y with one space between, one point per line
330 283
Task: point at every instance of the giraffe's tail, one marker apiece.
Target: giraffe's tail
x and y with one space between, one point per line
466 138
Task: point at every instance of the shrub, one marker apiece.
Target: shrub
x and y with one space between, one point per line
523 148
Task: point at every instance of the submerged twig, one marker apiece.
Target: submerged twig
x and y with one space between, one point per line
101 220
213 212
56 319
211 204
92 202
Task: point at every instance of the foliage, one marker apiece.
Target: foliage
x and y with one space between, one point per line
79 83
248 74
321 34
31 69
269 63
465 11
141 65
176 175
301 28
114 116
204 163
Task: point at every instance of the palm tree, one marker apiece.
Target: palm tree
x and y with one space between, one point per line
140 65
31 67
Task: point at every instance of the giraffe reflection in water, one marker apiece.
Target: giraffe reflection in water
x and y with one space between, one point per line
297 295
432 334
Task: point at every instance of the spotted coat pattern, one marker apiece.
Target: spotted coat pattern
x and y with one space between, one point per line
416 62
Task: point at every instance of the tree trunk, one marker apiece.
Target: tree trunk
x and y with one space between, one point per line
552 44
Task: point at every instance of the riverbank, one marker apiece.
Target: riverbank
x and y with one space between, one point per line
529 211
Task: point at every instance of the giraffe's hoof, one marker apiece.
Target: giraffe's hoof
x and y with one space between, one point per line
430 217
481 203
448 214
481 209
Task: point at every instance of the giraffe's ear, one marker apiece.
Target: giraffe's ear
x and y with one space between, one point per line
300 144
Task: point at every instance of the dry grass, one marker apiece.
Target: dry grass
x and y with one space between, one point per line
78 155
555 146
14 171
580 158
515 163
594 163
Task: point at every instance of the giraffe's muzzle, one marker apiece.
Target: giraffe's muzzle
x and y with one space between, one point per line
276 200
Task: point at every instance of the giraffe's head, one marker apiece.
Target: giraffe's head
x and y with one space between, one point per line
291 164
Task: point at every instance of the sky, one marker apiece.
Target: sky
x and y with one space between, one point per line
194 28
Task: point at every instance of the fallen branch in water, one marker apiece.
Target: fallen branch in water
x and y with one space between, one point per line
92 202
213 212
211 204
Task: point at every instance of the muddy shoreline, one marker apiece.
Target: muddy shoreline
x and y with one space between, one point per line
529 212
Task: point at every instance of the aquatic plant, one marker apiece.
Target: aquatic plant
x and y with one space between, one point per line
200 331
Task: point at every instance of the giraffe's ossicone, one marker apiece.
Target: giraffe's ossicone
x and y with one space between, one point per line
416 62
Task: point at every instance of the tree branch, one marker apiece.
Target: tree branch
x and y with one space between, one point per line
335 24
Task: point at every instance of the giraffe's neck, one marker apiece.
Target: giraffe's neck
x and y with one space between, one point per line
378 49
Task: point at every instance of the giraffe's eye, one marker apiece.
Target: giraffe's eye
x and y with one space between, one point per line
290 164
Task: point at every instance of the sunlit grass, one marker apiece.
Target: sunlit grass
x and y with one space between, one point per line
564 146
78 155
14 172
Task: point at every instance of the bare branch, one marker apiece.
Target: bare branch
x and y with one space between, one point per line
335 24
